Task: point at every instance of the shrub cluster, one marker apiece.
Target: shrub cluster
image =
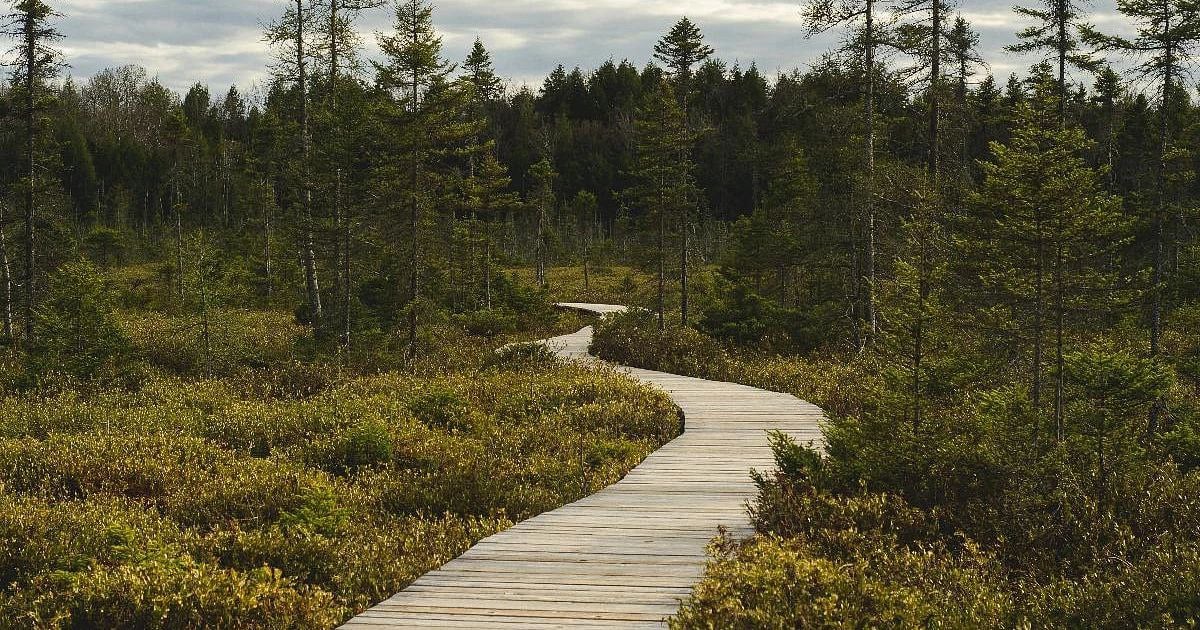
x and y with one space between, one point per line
960 520
217 503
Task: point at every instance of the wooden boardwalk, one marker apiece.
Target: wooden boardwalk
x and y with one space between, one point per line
626 556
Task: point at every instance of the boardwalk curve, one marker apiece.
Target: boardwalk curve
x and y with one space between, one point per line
626 556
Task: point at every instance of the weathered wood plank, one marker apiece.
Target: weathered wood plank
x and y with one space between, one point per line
626 556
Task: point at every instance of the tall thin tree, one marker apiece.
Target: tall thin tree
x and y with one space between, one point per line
681 49
6 281
1057 34
36 63
870 30
414 69
1163 50
292 36
341 45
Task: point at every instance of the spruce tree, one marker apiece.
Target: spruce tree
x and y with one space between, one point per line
914 311
962 52
1047 236
924 37
1058 34
491 200
478 71
662 172
680 50
430 127
871 30
292 36
37 62
1163 50
542 199
1109 94
341 46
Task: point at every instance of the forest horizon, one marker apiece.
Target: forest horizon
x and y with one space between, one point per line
223 38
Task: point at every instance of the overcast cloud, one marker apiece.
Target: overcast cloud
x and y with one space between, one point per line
218 42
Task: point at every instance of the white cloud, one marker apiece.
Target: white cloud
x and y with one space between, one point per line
219 41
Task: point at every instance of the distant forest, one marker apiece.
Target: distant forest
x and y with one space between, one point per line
323 185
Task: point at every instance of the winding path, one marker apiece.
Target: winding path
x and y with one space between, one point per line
626 556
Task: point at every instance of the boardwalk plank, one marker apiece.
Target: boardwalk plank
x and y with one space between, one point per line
626 556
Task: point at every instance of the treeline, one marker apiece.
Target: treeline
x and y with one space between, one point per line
373 190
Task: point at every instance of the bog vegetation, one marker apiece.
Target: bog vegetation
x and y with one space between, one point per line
256 368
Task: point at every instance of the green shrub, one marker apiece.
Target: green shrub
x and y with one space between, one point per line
439 406
170 592
105 246
781 584
366 445
293 504
524 356
633 339
490 323
77 332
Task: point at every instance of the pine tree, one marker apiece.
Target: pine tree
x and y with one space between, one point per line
1059 35
586 209
37 63
341 45
962 52
292 36
915 314
925 39
962 44
680 50
490 199
663 172
1109 95
1047 237
542 199
431 123
481 75
1168 32
870 31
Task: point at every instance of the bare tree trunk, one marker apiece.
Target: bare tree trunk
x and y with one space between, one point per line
662 255
414 264
869 301
268 268
487 267
179 242
918 352
541 245
6 314
31 58
1038 309
1061 7
935 106
342 240
1156 309
312 282
414 226
347 242
683 263
587 270
205 325
1059 332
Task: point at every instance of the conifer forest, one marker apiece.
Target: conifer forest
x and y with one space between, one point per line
270 353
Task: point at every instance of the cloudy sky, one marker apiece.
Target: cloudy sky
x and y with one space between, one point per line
218 42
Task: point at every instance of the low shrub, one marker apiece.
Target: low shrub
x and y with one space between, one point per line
133 509
633 338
